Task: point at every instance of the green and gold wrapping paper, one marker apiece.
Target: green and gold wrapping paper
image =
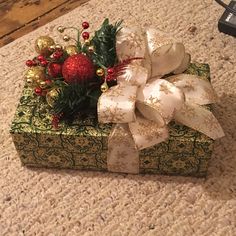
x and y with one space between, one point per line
83 144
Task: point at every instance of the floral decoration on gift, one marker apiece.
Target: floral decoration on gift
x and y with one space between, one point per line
130 77
71 78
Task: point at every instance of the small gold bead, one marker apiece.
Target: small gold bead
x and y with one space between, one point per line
58 46
29 81
100 72
42 84
66 38
87 42
28 76
52 48
60 29
104 87
91 49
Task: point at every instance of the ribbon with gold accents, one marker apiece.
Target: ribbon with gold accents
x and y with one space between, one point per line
143 102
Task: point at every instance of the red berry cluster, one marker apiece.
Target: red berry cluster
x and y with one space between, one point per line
54 68
57 54
85 34
31 63
110 74
39 60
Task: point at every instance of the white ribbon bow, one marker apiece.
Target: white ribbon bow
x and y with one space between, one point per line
143 102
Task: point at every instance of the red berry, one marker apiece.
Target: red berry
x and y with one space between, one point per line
110 71
41 58
85 25
34 63
38 91
54 70
57 54
85 35
109 78
48 82
44 63
29 63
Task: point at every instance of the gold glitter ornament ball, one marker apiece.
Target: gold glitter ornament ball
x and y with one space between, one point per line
34 75
71 50
52 96
43 45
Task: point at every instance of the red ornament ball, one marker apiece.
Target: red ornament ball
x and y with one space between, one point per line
78 68
55 70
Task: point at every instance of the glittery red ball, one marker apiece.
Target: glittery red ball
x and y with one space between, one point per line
78 69
54 70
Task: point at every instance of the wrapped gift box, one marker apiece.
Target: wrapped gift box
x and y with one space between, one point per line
83 144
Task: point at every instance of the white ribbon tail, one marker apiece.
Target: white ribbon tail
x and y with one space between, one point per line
147 133
199 118
122 155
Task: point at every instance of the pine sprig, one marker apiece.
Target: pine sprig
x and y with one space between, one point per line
71 99
75 99
104 43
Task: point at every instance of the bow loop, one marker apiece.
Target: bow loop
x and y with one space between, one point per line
163 96
166 54
130 43
117 105
196 89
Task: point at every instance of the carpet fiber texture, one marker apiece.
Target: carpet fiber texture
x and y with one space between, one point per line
66 202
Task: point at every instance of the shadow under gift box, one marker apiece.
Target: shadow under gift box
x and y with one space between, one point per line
83 144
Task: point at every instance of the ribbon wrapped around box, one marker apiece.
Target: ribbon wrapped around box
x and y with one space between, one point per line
150 93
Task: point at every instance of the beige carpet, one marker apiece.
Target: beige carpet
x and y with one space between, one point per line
64 202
